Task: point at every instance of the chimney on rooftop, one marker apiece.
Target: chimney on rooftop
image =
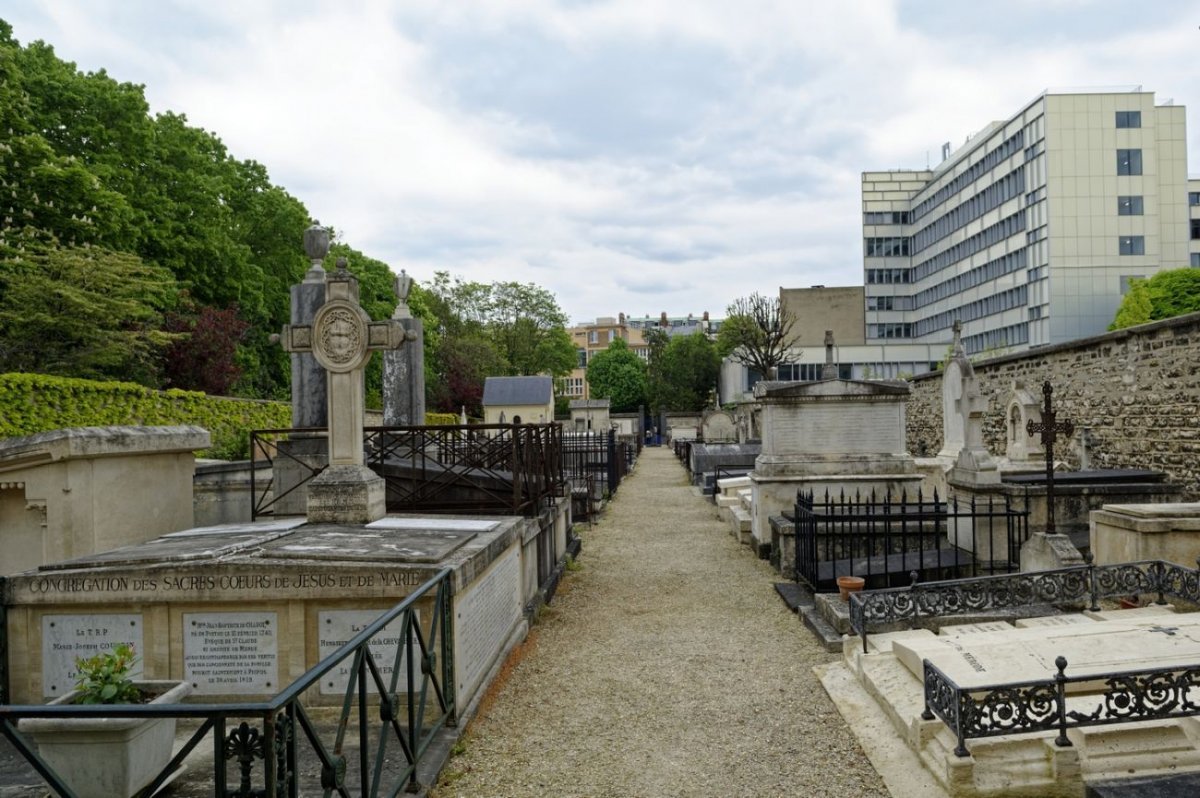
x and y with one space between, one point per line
662 320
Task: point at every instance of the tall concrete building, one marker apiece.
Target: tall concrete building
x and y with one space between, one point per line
1030 232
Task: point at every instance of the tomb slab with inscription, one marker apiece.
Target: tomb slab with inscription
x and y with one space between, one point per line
234 608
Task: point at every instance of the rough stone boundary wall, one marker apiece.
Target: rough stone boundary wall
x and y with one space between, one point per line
1137 391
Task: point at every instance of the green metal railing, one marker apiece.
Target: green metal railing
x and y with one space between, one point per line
409 709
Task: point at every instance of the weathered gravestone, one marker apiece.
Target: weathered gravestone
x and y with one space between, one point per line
404 368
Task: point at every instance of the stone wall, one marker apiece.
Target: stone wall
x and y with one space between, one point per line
1136 390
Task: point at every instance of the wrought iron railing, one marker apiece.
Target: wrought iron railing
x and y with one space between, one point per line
597 456
409 709
482 468
1040 705
884 540
1075 585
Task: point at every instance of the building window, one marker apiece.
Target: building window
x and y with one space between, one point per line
881 303
1130 206
885 217
1195 229
582 353
594 337
1133 245
1196 260
1129 162
887 247
1194 198
1129 118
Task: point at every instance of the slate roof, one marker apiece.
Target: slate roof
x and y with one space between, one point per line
499 391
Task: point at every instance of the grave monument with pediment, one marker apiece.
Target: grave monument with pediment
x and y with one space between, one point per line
835 435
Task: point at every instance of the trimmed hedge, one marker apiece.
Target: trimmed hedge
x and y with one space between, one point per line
31 403
442 419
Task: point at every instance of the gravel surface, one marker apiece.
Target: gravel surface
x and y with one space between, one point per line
666 666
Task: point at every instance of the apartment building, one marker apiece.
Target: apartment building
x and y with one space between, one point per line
1030 232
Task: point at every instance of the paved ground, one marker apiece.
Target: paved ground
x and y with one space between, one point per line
666 666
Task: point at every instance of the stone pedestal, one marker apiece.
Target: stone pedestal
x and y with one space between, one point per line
346 494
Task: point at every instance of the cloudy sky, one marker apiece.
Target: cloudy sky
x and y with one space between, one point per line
632 156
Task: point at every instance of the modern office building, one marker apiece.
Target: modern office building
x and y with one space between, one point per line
1030 232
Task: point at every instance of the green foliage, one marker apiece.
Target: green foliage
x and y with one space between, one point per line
31 403
619 375
87 312
1165 295
104 678
683 373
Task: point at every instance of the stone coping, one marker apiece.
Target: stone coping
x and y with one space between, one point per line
88 442
325 561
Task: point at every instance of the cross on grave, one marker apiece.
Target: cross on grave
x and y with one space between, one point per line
829 371
1169 631
342 338
1050 428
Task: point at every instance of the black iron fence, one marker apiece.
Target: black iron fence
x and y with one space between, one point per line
1040 705
1078 585
598 457
483 468
392 709
884 540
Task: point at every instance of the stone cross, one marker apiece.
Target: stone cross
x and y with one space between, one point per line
958 344
342 338
829 371
1050 428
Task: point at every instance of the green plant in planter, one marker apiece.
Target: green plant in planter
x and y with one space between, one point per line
104 678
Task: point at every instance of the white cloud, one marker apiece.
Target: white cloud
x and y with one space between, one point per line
631 155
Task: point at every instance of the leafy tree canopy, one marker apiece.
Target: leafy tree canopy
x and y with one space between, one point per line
619 375
683 373
1167 294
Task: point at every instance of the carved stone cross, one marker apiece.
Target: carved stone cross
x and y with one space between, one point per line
342 338
829 371
1050 428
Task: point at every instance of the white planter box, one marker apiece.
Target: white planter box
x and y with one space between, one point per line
108 757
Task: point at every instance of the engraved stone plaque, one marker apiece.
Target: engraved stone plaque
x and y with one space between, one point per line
231 652
337 627
484 618
65 637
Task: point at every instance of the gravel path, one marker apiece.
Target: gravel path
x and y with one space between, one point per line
666 666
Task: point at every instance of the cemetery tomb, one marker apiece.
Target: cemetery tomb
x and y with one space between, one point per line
882 695
242 610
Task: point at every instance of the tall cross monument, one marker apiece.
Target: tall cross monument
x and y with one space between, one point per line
342 338
1050 428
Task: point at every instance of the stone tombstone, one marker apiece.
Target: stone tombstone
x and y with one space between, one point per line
404 368
718 427
1020 408
342 338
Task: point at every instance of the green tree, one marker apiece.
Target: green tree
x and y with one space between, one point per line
619 375
1165 295
687 371
78 312
1135 307
757 333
